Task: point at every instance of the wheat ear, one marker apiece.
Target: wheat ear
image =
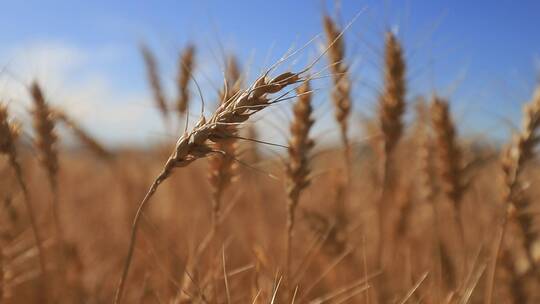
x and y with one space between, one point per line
223 166
46 144
185 69
513 161
298 168
8 135
197 143
449 163
341 92
152 72
391 107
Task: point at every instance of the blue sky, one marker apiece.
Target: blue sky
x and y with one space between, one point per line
483 55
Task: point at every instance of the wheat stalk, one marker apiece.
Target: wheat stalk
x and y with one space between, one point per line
298 168
8 136
185 70
197 143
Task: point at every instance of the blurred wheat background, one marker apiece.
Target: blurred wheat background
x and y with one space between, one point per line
329 152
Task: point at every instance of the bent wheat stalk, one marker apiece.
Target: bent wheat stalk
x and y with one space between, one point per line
197 143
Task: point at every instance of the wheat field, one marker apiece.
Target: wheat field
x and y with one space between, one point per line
394 210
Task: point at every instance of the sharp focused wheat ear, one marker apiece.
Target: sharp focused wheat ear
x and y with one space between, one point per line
513 161
155 82
197 143
298 169
185 69
341 93
89 141
8 136
222 165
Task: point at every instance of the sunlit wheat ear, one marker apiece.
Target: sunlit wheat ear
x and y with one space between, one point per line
8 136
197 143
152 72
223 164
186 64
298 167
341 91
83 136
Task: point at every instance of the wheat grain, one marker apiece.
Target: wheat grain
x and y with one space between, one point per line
185 69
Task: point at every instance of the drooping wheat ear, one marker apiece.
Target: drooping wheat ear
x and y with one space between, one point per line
516 205
223 166
197 143
152 72
298 168
88 140
185 69
449 163
341 92
8 136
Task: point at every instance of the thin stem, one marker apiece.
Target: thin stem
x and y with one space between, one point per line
134 228
493 269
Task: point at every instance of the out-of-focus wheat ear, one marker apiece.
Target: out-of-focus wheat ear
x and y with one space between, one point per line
341 91
298 169
449 164
392 104
46 142
251 154
186 64
46 138
83 136
152 72
222 164
391 107
8 136
514 158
